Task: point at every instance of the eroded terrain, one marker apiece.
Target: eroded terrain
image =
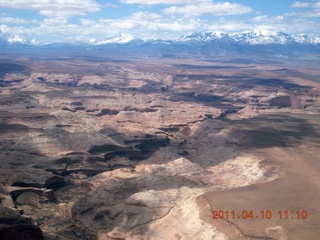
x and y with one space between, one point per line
146 149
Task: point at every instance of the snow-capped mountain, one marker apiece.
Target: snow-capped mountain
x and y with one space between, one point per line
255 37
262 37
202 37
123 38
206 44
16 39
303 38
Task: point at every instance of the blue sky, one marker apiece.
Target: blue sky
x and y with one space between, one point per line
82 20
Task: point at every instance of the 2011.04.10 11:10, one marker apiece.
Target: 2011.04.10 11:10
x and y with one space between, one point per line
264 214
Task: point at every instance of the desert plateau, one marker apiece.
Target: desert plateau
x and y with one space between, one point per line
159 148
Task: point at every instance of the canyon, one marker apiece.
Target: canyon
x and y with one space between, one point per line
148 148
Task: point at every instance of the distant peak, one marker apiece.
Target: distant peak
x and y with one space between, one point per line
122 38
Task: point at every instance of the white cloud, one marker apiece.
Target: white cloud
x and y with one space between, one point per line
146 23
151 2
306 4
55 21
218 9
283 24
54 8
269 20
86 22
310 14
110 5
300 5
16 20
145 16
314 12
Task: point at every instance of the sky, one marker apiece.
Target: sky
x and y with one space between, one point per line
82 20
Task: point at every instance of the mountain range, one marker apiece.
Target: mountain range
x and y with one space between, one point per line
255 37
206 44
252 37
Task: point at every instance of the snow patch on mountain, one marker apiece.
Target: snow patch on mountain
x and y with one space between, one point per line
123 38
202 37
16 39
303 38
261 37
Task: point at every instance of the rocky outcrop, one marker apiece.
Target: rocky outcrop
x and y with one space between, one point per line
133 154
107 148
44 193
13 226
282 101
55 182
107 112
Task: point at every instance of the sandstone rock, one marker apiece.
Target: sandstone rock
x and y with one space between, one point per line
133 154
13 226
28 198
282 101
107 148
6 200
56 182
16 191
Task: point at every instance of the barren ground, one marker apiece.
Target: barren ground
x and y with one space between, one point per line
147 149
